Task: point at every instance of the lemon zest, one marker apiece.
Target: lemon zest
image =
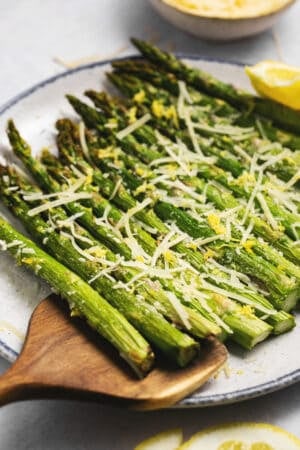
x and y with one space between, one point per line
96 251
248 245
108 152
208 254
247 310
169 256
214 222
140 171
132 114
167 112
139 97
245 178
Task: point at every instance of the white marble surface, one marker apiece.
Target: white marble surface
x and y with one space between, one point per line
34 35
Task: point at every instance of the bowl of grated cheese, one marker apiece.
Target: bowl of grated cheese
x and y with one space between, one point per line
222 20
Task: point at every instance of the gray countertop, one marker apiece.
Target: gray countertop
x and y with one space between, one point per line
39 38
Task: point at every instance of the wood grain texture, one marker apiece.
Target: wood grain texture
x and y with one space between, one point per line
63 358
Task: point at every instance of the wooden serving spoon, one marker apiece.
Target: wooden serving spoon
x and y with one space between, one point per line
63 358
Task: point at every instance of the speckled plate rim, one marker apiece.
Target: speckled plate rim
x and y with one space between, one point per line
209 400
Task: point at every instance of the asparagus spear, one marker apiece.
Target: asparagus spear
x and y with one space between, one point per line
248 332
153 293
73 161
162 103
23 152
87 199
236 313
73 154
83 300
254 339
168 81
285 218
284 291
222 200
261 228
174 344
38 171
281 115
25 161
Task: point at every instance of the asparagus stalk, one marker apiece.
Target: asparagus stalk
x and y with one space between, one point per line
248 332
239 335
78 158
168 81
280 321
87 201
281 115
121 197
241 331
38 171
223 200
74 155
170 123
284 217
162 102
23 152
199 325
83 300
284 290
174 344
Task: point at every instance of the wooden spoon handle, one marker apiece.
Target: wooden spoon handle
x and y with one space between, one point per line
63 358
12 387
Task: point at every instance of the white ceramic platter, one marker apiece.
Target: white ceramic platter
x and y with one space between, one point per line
271 366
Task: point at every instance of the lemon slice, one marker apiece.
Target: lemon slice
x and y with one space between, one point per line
277 81
167 440
243 436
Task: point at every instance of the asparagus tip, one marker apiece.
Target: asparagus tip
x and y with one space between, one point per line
19 145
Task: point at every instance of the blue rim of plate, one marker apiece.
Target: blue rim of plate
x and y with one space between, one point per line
209 400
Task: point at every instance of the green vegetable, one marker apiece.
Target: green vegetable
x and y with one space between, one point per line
73 155
287 301
82 298
170 205
282 115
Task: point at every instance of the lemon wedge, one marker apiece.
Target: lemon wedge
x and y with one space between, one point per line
277 81
243 436
167 440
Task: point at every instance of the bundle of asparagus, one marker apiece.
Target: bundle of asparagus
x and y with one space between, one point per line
171 206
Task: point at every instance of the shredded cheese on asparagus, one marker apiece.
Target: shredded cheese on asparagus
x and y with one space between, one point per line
133 127
180 309
83 143
63 200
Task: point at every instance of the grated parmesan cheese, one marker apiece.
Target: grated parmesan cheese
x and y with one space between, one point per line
133 127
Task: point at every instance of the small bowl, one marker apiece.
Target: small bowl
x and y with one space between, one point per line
218 28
